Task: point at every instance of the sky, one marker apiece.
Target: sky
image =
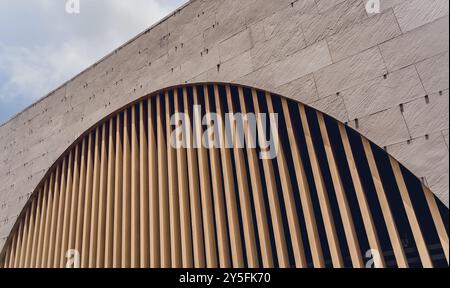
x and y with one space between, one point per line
42 45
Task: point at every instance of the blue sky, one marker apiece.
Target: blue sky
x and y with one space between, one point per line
42 46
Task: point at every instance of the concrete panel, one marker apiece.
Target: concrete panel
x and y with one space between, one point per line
235 45
342 16
269 47
375 126
324 5
421 114
417 45
363 35
347 73
233 69
415 13
303 89
334 105
383 92
445 133
434 73
386 5
302 63
297 65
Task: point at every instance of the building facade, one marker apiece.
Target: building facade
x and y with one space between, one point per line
88 168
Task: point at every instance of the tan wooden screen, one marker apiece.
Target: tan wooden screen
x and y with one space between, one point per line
122 196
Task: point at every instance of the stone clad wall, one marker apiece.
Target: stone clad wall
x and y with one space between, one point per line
385 74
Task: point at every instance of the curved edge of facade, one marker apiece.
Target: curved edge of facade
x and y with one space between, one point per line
100 142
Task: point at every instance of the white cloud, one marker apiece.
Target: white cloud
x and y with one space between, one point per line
41 46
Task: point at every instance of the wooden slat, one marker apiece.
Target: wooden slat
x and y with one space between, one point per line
174 208
93 248
258 197
74 202
183 189
144 243
31 231
362 200
20 243
14 262
244 193
103 185
194 191
305 194
43 224
110 191
135 190
66 213
118 197
88 201
437 219
55 216
13 251
85 202
126 193
29 235
155 251
344 208
7 257
60 221
397 245
24 235
233 220
412 218
288 194
37 227
217 189
330 229
274 203
48 221
164 224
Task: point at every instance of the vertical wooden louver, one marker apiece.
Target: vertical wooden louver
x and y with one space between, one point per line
124 196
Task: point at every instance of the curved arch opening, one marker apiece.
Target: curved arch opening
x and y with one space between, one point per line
133 192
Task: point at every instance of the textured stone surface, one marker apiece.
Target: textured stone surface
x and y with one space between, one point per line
445 133
319 26
308 50
417 45
387 4
323 5
334 104
434 73
302 89
432 166
382 93
363 35
422 117
375 126
414 13
349 72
